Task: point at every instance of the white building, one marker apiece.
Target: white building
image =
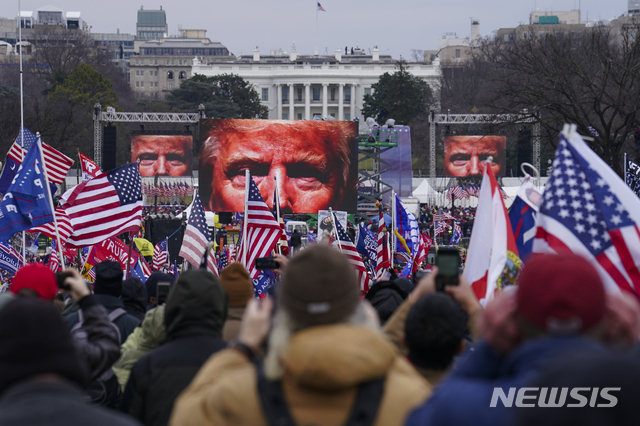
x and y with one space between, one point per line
296 87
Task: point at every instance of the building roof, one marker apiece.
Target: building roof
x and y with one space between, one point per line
152 18
50 8
181 43
73 15
345 59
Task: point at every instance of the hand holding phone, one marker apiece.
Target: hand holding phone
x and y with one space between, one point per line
267 263
448 262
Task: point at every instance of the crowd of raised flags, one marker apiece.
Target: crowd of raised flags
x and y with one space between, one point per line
167 189
585 208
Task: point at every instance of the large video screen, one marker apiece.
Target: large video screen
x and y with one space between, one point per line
464 155
314 163
163 155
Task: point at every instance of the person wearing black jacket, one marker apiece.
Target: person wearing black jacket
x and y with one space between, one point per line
194 316
41 377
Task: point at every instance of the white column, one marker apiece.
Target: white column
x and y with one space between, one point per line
341 102
291 95
325 110
307 101
279 106
353 101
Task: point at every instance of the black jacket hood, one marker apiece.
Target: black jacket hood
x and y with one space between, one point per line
197 304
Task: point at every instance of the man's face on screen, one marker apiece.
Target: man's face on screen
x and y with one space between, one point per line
306 172
162 155
464 155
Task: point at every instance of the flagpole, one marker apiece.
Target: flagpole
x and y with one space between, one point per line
316 52
625 169
53 210
334 229
276 205
393 220
247 176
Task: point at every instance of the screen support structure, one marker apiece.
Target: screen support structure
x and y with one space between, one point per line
524 117
112 116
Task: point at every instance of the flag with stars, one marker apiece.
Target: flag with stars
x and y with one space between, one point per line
263 230
105 206
345 245
587 209
160 255
196 236
224 260
633 176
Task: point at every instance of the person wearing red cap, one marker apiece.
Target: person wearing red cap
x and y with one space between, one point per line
558 310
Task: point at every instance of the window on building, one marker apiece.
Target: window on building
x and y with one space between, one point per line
168 62
316 93
182 75
285 115
457 53
156 73
142 84
138 73
169 75
137 84
347 94
142 73
285 94
299 116
299 97
367 91
265 94
170 85
333 94
347 116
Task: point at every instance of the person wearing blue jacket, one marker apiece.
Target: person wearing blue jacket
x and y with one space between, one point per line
559 310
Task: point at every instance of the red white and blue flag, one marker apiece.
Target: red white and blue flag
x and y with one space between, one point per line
345 245
383 250
105 206
588 209
263 230
320 8
160 255
196 237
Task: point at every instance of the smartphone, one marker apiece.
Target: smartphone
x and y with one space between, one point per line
61 277
267 263
448 263
162 292
419 275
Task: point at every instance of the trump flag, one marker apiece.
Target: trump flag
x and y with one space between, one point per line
588 209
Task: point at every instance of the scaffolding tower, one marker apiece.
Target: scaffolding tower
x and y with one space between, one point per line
371 146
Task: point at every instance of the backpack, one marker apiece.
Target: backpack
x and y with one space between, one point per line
105 390
275 409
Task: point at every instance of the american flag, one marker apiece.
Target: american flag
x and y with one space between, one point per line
105 206
457 234
224 260
347 248
196 236
10 259
57 163
320 8
54 262
92 273
460 192
383 258
65 228
283 242
263 230
160 255
440 228
212 263
588 209
442 216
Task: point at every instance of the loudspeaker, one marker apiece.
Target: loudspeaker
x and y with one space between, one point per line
159 229
109 147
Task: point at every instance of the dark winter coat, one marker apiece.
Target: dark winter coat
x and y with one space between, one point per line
54 403
194 316
386 297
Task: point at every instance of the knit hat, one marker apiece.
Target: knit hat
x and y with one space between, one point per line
319 286
237 284
563 293
38 278
35 341
108 278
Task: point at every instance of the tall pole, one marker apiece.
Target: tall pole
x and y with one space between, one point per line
276 206
53 210
393 221
247 176
316 52
22 116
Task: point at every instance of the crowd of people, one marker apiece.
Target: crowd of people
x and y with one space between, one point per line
203 351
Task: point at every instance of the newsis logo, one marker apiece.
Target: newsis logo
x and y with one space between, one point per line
554 397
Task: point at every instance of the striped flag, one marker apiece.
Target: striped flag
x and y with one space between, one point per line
384 258
89 168
263 230
54 262
160 255
589 210
196 236
346 246
105 206
57 163
65 228
320 8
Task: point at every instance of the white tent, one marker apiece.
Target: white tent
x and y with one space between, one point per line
424 192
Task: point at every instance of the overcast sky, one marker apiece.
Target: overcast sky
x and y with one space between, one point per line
395 26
